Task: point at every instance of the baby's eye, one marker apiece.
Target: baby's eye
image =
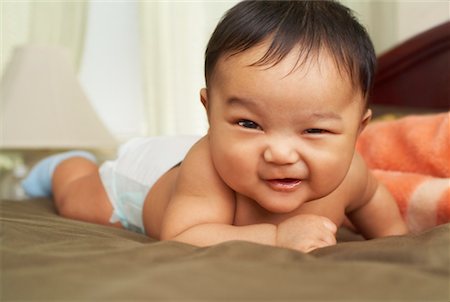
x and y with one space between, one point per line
315 131
248 124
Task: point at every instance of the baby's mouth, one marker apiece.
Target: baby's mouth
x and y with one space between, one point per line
284 184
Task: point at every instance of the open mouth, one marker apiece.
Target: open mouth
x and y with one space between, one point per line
284 184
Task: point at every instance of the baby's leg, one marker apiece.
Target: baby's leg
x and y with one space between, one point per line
73 181
78 192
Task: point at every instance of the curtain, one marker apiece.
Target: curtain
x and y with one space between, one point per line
380 20
57 22
111 67
15 19
390 22
174 38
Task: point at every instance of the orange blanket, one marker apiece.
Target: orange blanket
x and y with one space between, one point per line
410 156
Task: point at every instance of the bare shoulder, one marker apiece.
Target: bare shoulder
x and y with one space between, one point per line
198 176
200 196
359 184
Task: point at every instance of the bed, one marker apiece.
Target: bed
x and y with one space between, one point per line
50 258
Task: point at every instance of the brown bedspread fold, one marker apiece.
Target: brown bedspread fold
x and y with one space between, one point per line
47 257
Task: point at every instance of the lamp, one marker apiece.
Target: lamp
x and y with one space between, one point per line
42 105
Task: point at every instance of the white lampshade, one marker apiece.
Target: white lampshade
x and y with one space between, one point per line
43 106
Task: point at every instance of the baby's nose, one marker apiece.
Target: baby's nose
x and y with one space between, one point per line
281 154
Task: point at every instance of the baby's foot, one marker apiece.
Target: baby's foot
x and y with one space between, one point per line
38 183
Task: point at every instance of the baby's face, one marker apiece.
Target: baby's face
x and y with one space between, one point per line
278 136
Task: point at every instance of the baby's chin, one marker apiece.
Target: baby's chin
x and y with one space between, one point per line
287 202
281 204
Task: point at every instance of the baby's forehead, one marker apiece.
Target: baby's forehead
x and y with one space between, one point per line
299 59
316 77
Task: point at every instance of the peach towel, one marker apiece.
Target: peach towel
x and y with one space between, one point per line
410 156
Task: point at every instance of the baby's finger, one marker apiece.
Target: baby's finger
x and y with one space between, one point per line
328 232
329 239
329 225
318 244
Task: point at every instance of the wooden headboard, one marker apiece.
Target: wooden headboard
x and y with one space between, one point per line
416 73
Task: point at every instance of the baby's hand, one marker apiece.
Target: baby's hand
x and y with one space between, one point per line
306 233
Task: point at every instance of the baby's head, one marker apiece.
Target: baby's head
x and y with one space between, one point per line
308 27
287 86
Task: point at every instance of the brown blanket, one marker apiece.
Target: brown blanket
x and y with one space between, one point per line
46 257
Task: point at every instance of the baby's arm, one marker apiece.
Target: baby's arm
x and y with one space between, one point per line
302 232
202 222
378 214
202 211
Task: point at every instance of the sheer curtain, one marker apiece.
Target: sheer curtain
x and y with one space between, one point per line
390 22
174 38
111 67
43 22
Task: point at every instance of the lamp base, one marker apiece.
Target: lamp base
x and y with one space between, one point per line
15 165
10 187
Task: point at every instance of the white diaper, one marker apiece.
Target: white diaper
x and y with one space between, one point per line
140 163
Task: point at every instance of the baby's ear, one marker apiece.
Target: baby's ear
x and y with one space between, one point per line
365 120
204 98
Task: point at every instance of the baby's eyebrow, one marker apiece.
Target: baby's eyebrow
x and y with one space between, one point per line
326 115
237 101
312 115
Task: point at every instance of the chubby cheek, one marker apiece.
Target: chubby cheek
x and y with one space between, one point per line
328 169
233 164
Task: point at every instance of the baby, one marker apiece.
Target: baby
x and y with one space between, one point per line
287 84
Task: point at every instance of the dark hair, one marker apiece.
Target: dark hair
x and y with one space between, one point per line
309 25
